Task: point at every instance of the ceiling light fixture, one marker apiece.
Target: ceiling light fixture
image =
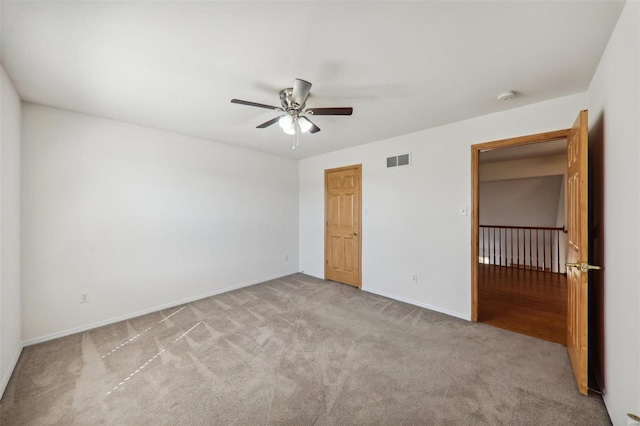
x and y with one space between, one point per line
295 118
285 122
294 125
305 124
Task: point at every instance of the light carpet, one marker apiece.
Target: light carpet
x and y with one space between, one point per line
296 351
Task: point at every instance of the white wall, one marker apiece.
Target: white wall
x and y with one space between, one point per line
141 219
10 328
520 202
413 223
614 98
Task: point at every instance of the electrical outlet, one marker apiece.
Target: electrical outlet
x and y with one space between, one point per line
414 278
463 211
84 297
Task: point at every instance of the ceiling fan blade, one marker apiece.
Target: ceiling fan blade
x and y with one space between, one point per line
255 104
268 123
331 111
313 128
300 93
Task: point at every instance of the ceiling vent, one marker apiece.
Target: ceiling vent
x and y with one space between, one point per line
399 160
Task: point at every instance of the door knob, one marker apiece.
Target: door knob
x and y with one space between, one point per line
584 267
355 234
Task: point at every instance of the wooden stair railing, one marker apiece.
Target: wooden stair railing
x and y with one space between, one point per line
524 247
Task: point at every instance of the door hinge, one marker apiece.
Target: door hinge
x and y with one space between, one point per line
326 261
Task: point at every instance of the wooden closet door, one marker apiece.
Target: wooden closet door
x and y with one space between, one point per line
342 225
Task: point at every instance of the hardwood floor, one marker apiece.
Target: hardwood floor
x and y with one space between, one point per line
525 301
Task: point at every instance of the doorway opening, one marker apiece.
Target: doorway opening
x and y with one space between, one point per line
518 238
522 242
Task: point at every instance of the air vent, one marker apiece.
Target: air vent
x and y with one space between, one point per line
399 160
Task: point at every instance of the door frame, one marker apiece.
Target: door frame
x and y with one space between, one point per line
475 196
358 167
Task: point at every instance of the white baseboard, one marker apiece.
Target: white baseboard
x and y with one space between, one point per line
420 304
9 372
97 324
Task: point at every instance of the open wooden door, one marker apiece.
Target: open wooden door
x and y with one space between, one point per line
342 225
577 250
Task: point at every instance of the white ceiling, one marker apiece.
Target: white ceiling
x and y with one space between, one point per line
402 66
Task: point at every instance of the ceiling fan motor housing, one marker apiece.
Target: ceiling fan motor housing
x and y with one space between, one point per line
287 101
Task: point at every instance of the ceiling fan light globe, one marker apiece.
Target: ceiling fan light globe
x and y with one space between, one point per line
305 124
286 122
290 131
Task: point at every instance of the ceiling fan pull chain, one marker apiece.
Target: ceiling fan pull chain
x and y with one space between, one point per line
296 143
296 133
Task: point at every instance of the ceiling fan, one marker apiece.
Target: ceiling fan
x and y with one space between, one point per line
295 118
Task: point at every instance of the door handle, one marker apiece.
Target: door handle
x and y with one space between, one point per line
584 267
355 234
